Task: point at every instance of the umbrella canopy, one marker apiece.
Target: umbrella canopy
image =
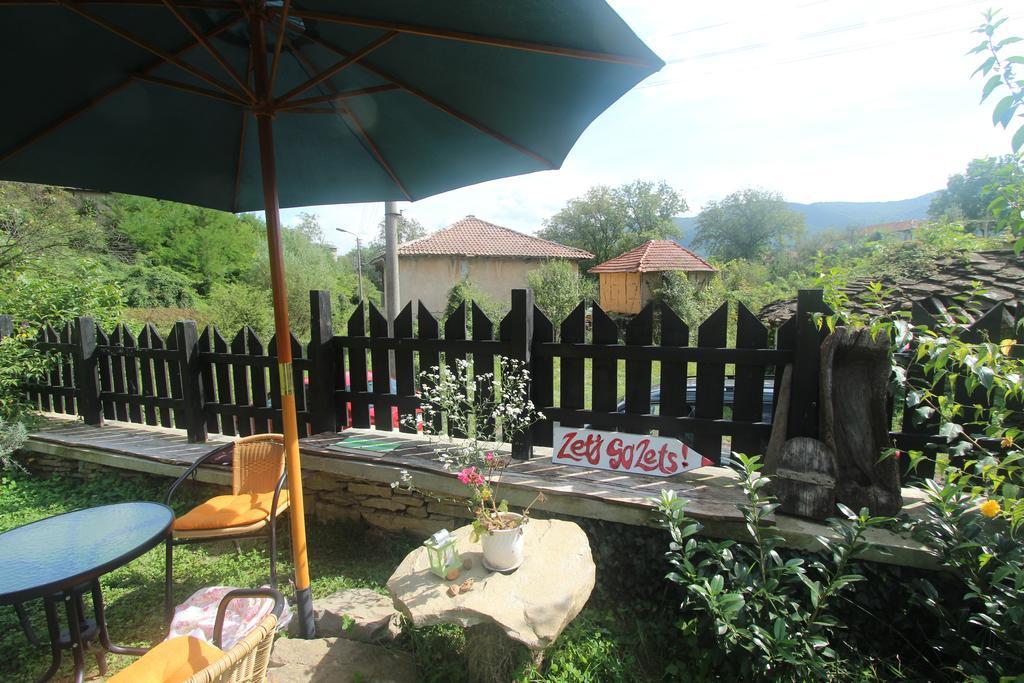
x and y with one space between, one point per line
373 100
369 100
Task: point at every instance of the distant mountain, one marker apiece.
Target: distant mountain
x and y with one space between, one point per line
822 215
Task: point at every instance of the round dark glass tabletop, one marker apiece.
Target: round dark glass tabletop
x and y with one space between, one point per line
56 553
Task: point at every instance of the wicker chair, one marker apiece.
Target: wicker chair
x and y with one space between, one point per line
252 509
189 660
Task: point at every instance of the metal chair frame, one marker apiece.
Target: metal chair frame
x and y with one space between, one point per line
270 530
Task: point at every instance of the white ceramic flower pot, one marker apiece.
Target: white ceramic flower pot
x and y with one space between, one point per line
503 548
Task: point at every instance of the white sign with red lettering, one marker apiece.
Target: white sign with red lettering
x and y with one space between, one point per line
655 456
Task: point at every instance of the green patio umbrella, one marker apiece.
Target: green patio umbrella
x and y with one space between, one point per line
268 103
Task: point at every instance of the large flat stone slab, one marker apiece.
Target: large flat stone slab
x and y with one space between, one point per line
337 660
532 605
368 616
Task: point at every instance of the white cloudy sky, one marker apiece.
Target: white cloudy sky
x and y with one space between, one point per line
822 100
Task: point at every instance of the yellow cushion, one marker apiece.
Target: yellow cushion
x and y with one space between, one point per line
223 512
172 661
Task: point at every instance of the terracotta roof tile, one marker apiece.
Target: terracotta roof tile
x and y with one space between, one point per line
474 237
653 256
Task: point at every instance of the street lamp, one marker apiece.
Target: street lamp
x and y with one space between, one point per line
359 260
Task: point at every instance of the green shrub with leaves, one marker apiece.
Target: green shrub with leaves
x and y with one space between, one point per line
765 616
693 303
558 288
972 520
973 508
465 290
12 436
230 306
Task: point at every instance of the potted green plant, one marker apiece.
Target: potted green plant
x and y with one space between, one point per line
491 410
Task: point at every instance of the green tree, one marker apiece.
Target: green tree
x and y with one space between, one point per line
309 264
465 290
608 221
39 222
148 286
206 246
967 195
232 305
408 229
749 224
1007 205
558 287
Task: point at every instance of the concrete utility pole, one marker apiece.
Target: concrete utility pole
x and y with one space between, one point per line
391 293
359 260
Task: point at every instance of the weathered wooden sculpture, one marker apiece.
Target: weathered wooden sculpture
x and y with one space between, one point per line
855 369
802 469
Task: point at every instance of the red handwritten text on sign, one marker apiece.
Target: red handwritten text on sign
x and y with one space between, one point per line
634 453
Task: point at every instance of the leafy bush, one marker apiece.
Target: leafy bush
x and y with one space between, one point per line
973 520
769 617
467 291
55 293
12 436
973 511
234 305
558 288
148 286
691 302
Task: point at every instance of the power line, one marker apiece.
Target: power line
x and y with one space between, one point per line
836 30
826 53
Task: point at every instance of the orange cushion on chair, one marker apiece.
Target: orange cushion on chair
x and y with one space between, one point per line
172 661
223 512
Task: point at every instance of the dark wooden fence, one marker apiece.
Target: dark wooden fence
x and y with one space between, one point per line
714 396
203 383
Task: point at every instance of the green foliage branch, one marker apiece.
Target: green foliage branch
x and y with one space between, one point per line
973 511
999 70
558 288
771 617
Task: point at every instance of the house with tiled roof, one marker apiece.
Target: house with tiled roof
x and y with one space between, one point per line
629 280
496 259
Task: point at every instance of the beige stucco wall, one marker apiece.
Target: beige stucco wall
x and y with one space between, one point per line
428 278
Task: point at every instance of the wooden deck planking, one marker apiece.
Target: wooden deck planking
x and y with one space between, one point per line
597 494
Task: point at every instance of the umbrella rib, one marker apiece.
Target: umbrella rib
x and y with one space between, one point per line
278 43
185 87
249 66
367 140
190 4
336 96
437 104
102 97
217 56
138 42
332 70
466 37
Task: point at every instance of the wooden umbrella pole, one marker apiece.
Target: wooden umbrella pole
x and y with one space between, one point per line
265 127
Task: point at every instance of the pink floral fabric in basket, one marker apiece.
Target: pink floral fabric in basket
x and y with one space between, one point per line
196 616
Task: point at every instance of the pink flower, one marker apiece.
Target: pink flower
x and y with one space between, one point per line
470 476
489 457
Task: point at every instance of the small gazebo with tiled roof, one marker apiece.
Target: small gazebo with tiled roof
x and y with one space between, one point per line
629 280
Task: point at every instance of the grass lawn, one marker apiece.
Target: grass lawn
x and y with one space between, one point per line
625 640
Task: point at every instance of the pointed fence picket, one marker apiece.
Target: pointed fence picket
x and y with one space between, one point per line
715 397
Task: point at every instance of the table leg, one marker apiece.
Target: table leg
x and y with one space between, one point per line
75 635
101 623
53 627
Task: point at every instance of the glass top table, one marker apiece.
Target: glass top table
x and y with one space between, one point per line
61 558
